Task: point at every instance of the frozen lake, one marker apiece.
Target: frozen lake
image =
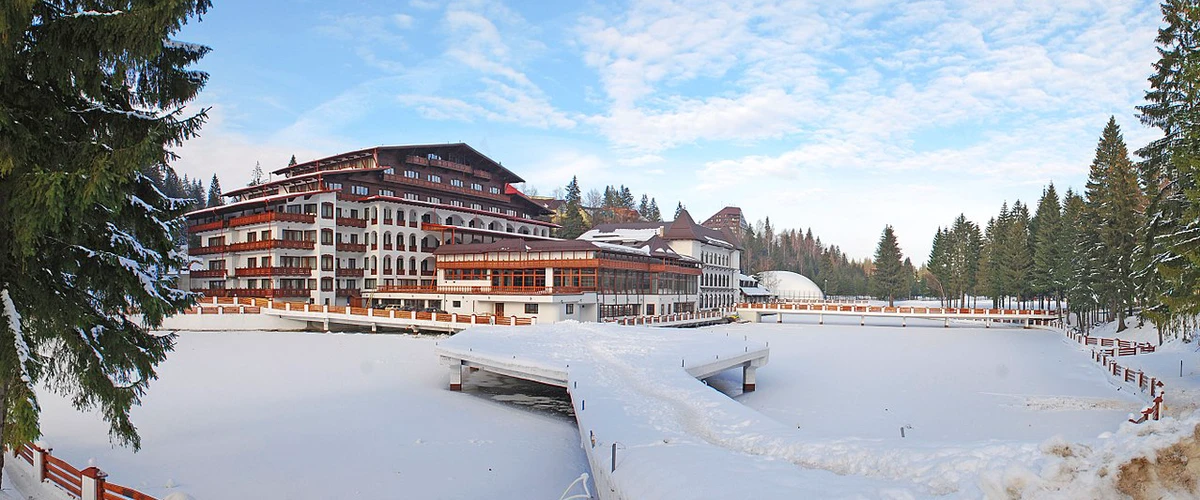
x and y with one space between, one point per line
294 415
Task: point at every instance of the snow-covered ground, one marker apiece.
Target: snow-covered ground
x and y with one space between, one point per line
295 415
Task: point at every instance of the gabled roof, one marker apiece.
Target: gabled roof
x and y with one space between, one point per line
506 174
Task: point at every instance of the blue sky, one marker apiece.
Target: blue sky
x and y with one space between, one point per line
836 116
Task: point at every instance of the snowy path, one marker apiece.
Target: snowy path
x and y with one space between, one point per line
628 387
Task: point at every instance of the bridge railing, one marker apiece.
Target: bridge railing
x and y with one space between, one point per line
898 310
254 305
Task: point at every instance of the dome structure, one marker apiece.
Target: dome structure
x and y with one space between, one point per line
788 285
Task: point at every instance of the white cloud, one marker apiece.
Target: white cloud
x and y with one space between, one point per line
222 150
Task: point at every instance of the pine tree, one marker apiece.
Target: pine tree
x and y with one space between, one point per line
1047 226
1114 201
644 207
89 101
573 223
292 162
256 175
214 193
1169 170
654 215
627 198
1072 269
938 266
680 208
887 281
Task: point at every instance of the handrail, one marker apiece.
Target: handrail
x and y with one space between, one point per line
58 472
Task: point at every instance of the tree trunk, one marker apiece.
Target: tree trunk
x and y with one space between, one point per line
1120 316
4 422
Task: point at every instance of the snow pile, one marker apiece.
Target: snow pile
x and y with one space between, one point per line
1157 459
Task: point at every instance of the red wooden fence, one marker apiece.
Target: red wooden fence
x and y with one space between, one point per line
71 480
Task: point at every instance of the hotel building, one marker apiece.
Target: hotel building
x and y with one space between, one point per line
718 252
334 229
554 281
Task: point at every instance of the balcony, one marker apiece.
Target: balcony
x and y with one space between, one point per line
273 271
445 187
389 247
387 271
427 273
270 244
210 226
411 272
206 250
352 247
349 273
349 197
246 220
209 273
427 249
388 222
352 222
486 290
254 292
412 224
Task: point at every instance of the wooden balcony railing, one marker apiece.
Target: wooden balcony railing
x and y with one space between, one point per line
352 247
274 271
208 226
486 290
350 273
246 220
209 273
254 292
399 179
271 244
427 272
352 222
387 222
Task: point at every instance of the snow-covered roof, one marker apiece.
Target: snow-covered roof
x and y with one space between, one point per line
755 291
789 284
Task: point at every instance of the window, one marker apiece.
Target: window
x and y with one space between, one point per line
369 283
359 190
336 186
495 210
251 236
476 206
456 203
252 262
477 186
570 308
494 190
265 235
386 192
410 196
327 210
511 212
326 262
434 178
456 182
326 236
433 156
434 199
531 308
456 303
412 174
216 264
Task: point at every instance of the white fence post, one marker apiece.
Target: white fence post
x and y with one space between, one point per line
92 483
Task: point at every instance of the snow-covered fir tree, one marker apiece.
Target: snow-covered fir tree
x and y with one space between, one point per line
92 97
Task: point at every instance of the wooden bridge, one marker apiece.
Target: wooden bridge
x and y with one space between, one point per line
1026 317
